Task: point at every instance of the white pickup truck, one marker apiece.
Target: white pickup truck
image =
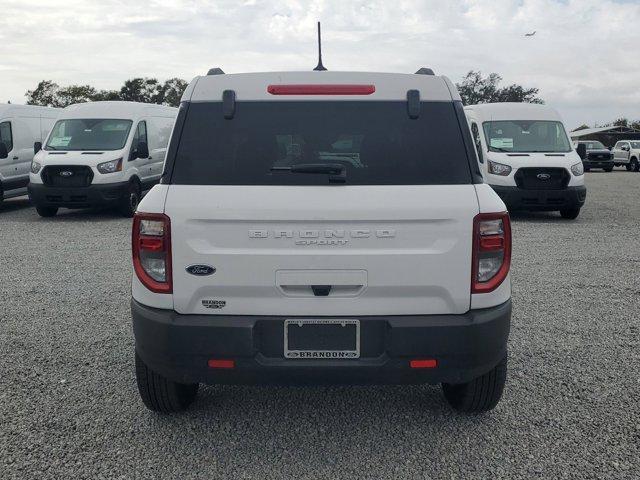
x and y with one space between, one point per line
321 227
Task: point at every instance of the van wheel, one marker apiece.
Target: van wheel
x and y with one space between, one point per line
480 394
46 211
633 165
160 394
570 213
131 200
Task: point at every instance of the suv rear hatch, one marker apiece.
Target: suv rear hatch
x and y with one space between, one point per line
393 237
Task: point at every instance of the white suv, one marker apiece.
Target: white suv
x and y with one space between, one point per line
321 227
627 153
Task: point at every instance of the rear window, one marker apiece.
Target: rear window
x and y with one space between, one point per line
376 142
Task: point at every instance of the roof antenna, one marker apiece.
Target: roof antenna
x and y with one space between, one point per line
319 67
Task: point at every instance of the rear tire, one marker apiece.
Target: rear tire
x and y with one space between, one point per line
160 394
46 212
130 202
628 167
570 213
480 394
634 165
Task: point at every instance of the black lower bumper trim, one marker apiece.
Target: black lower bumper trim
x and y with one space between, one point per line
179 347
516 198
95 195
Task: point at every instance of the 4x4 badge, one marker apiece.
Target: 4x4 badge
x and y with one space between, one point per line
200 270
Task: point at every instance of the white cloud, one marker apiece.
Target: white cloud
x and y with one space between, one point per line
582 57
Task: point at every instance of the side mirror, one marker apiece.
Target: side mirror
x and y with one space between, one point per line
4 153
142 151
582 151
625 148
37 147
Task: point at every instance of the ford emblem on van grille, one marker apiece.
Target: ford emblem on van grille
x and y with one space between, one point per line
543 176
66 173
200 270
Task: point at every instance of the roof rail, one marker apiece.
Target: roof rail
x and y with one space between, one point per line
425 71
215 71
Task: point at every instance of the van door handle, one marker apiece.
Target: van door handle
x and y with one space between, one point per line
150 158
16 158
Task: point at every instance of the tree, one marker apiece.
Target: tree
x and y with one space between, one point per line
75 94
145 90
635 124
171 92
45 94
621 122
476 89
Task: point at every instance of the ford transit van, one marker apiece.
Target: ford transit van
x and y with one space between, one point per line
21 126
101 154
527 157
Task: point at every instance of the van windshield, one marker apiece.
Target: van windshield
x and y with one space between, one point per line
526 136
89 134
294 143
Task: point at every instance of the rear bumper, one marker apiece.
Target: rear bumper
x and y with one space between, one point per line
179 347
544 200
105 194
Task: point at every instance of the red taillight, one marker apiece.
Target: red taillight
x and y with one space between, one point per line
321 89
491 251
218 363
151 246
424 363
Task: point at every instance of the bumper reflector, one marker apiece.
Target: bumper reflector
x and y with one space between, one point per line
424 363
217 363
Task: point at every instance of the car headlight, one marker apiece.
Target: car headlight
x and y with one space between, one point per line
35 167
499 168
577 169
111 166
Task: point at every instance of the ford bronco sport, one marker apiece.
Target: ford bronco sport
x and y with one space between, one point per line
321 227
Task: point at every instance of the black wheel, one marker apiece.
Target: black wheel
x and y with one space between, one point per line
628 167
160 394
46 211
570 213
131 200
608 169
634 165
480 394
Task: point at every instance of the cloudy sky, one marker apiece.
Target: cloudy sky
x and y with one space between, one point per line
584 57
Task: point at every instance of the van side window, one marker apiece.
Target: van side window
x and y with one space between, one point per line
476 140
139 136
5 135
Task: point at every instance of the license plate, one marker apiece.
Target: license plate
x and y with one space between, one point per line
322 338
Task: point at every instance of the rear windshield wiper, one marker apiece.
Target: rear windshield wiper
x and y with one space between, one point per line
337 172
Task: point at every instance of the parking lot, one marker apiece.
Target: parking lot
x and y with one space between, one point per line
69 406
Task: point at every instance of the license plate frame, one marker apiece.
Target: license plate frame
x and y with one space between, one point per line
321 354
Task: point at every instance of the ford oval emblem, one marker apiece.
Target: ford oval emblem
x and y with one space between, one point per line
66 173
543 176
200 270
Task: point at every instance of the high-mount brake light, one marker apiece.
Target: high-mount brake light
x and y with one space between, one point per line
321 89
491 251
151 247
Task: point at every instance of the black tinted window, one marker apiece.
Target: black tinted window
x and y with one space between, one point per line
377 143
6 136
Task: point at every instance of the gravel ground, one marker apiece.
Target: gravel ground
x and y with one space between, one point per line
69 407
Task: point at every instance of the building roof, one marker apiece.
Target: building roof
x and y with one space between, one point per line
590 131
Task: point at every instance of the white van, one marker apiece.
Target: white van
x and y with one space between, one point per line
101 154
21 126
527 157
